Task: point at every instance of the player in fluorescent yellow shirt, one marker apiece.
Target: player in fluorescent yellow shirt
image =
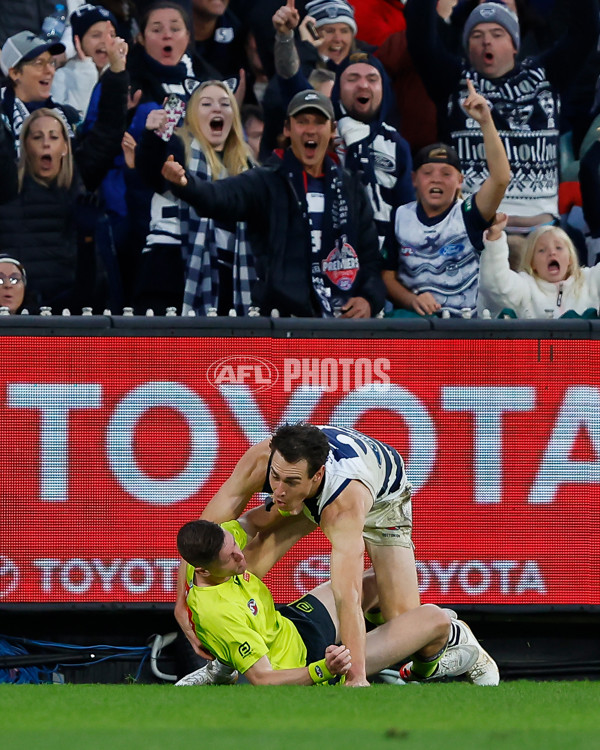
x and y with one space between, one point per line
234 616
239 622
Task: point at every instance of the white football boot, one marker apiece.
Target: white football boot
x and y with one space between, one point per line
212 673
485 670
456 660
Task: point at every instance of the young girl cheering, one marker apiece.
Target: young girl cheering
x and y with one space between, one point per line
192 262
550 282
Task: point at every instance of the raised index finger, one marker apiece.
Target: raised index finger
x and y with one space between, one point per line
291 4
470 86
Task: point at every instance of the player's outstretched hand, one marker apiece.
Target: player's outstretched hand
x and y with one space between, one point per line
338 659
476 105
173 171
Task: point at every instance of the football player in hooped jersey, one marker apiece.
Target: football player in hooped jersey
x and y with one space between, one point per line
439 236
355 488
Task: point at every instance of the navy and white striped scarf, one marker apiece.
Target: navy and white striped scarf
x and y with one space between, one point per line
199 251
15 112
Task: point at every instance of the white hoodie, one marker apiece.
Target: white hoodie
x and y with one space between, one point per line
529 296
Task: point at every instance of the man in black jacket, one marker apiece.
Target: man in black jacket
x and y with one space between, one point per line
310 222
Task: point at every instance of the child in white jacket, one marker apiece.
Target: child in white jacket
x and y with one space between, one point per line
92 27
550 282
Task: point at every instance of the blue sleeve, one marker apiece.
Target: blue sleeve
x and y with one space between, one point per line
138 124
92 111
405 192
474 222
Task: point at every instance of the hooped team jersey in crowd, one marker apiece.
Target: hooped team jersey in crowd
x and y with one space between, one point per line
440 255
237 620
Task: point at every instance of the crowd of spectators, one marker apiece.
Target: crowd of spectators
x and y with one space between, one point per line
321 158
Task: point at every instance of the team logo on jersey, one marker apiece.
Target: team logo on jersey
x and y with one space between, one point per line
304 606
383 162
253 606
246 576
452 249
407 250
341 266
244 649
224 35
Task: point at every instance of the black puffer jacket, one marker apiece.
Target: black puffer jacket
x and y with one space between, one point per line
279 234
42 225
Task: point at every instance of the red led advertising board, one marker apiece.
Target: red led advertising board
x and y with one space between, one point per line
110 444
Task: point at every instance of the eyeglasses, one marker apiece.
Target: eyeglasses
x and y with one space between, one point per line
41 62
13 280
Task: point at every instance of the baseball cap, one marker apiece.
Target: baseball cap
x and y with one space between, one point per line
26 46
437 153
311 99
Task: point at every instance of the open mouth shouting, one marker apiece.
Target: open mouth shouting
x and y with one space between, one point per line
551 260
310 148
362 106
555 270
48 166
215 115
435 194
216 125
167 51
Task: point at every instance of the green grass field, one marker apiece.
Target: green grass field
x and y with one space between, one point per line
520 715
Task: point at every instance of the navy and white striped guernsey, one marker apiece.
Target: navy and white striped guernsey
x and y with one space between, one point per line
354 456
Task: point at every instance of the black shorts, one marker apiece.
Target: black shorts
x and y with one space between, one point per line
313 622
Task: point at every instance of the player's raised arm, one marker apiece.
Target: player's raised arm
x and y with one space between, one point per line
248 478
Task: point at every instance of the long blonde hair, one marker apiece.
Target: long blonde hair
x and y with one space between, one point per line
235 151
65 174
574 268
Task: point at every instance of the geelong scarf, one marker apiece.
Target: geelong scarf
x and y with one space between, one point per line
199 252
335 227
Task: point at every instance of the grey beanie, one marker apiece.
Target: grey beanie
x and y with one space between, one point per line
493 13
331 11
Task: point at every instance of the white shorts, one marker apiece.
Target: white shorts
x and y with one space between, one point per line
389 522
